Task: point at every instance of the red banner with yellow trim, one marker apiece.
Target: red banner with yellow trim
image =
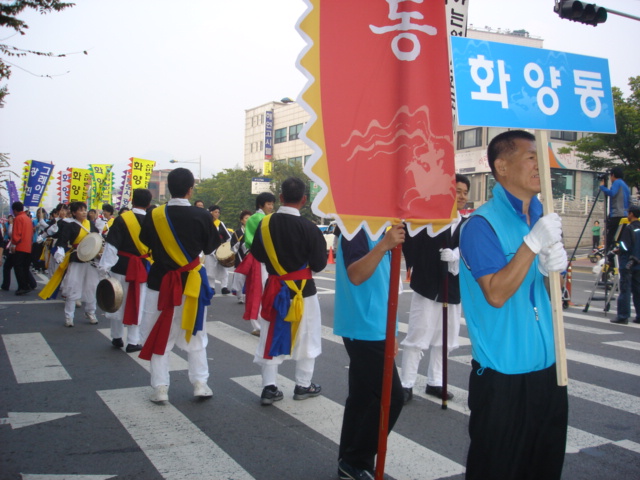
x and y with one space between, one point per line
379 98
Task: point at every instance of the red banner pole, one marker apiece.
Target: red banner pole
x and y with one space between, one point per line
389 353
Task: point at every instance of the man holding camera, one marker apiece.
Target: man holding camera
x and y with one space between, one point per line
629 268
618 203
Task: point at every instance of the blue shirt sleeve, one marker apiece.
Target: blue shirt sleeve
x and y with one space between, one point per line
480 248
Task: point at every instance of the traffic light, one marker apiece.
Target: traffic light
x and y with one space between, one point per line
587 13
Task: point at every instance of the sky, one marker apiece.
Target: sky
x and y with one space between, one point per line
172 80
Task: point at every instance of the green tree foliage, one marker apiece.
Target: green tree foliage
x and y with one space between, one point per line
601 151
231 190
8 19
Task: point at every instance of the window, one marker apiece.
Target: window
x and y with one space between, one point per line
306 159
470 138
562 135
493 132
295 160
281 135
294 131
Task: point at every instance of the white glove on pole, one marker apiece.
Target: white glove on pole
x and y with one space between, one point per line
59 255
546 232
552 259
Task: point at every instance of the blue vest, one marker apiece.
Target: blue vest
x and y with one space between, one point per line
518 337
361 311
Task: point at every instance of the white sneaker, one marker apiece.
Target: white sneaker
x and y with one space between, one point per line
68 321
92 318
202 390
160 394
78 303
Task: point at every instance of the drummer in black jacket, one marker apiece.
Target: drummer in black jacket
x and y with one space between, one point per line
215 270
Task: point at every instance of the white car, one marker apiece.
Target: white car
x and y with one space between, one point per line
329 235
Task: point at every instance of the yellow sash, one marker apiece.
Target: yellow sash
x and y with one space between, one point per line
194 281
52 285
131 221
297 304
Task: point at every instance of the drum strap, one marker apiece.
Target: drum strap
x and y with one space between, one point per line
50 290
197 291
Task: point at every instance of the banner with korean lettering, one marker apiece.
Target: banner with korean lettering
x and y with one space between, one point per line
124 199
79 185
64 184
501 85
379 99
140 172
37 182
101 181
13 192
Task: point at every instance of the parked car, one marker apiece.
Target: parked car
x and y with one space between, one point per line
329 235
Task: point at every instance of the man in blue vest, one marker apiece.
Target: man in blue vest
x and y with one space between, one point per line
518 420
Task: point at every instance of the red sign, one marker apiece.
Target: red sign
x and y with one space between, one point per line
381 94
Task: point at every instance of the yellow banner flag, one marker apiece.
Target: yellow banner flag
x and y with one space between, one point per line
141 172
79 185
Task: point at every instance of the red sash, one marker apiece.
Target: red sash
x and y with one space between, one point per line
136 274
170 297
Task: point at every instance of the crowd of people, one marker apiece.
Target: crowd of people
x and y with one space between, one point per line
492 264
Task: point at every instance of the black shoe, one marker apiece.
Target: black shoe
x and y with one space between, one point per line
270 394
347 472
6 289
637 320
437 392
225 291
622 321
407 394
117 342
302 393
133 348
22 292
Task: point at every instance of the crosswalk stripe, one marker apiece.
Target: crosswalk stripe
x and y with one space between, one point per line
325 417
177 448
625 344
604 362
590 330
32 360
176 362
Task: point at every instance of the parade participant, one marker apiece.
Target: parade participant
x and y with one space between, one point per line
518 420
629 252
105 221
20 248
198 203
255 272
128 260
215 270
238 247
363 271
80 278
291 247
618 204
434 281
178 291
51 236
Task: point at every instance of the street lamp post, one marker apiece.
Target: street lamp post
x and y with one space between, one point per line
199 162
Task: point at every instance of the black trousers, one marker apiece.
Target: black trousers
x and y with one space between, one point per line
612 228
518 425
7 266
22 261
359 436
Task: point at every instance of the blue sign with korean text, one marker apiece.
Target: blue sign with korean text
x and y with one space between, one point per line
37 181
268 135
501 85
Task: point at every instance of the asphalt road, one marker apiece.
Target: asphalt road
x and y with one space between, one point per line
73 407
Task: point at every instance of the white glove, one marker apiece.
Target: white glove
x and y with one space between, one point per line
552 259
39 239
546 232
59 255
448 255
103 272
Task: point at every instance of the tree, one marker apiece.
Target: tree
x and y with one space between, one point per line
601 151
8 19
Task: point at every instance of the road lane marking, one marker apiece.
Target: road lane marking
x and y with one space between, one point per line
175 446
26 419
325 417
32 360
625 344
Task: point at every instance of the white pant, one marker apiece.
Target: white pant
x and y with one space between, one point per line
307 346
79 283
116 318
215 271
195 348
424 331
